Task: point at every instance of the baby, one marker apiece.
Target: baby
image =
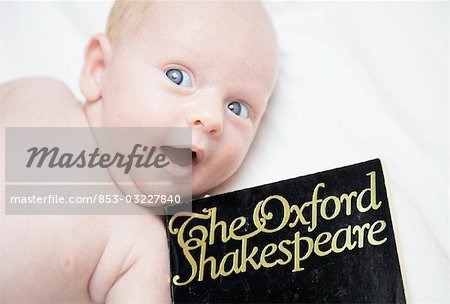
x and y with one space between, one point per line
210 66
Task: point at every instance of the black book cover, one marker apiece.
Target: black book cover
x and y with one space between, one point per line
321 238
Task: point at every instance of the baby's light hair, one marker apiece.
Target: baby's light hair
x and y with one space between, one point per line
124 17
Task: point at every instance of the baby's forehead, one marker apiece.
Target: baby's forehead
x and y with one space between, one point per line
216 18
217 37
225 28
127 16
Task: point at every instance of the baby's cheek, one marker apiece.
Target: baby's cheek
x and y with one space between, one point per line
236 151
245 139
116 115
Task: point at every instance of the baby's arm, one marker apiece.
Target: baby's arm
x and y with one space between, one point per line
134 267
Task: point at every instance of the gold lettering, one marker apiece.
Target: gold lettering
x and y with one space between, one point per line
260 222
180 231
213 226
286 251
372 191
234 227
348 198
319 242
371 233
234 266
315 201
348 240
323 208
299 215
198 231
297 254
249 259
177 279
202 265
360 231
264 254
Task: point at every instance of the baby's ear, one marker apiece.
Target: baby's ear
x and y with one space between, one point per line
96 56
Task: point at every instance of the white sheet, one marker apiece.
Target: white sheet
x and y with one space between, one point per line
358 80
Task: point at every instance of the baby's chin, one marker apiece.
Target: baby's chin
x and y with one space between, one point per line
199 190
198 193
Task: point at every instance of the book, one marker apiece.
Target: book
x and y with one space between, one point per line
321 238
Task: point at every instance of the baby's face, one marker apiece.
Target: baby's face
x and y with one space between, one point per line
210 66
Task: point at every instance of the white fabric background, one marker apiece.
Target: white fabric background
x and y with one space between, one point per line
358 80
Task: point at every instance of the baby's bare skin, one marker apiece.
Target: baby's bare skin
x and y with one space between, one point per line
73 259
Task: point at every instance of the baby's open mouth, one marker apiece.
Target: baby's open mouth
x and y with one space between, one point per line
181 156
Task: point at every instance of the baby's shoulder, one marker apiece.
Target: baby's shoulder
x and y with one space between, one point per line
39 101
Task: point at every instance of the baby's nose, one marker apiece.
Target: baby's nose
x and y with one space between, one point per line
207 115
210 123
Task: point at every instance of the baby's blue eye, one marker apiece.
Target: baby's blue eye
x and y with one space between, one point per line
238 108
179 77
